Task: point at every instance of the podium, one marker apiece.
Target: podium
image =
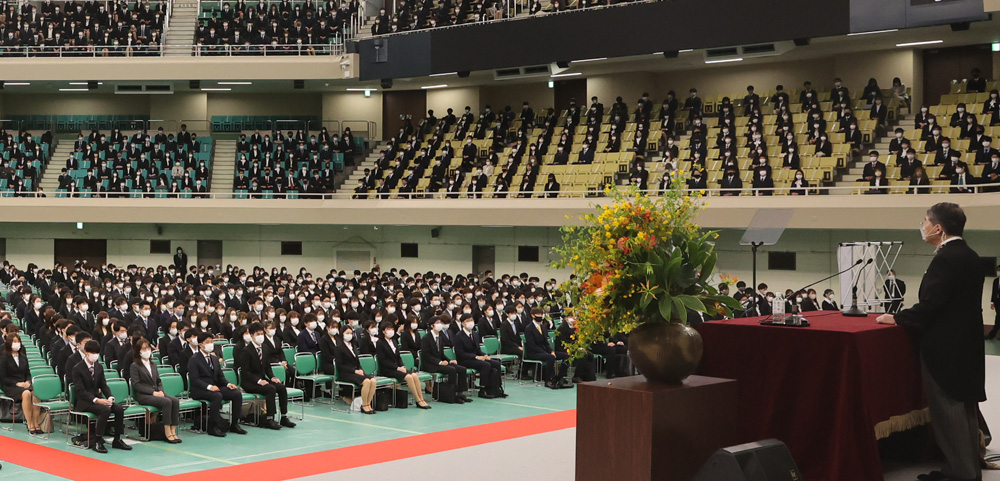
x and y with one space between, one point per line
628 428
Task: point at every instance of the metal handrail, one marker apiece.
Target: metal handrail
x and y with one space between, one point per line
535 194
112 51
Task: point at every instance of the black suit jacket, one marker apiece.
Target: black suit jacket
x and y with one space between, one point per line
466 347
201 375
11 373
346 358
388 359
536 342
430 353
87 387
948 319
252 369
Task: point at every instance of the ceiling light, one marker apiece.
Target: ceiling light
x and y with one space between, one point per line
725 60
16 84
590 60
363 90
657 53
74 90
82 83
574 74
914 44
211 89
443 74
686 50
235 83
428 87
873 32
996 46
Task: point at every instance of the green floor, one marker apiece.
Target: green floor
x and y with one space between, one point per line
993 348
322 429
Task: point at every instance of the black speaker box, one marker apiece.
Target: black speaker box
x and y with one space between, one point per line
386 83
299 84
194 84
767 460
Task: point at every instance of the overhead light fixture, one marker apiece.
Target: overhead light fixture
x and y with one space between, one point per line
363 90
873 32
725 60
81 83
590 60
368 93
16 84
657 53
213 89
70 90
235 83
443 74
79 226
574 74
428 87
996 46
914 44
552 84
686 50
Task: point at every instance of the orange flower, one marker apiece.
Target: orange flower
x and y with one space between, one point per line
594 282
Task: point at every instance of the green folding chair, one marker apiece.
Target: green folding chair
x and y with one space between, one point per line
294 394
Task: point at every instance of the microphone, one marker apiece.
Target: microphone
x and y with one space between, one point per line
825 279
853 311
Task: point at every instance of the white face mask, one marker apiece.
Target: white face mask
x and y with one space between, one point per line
92 358
311 325
208 347
469 325
348 337
390 310
373 332
105 321
438 327
232 317
246 338
295 321
38 305
173 331
15 346
258 339
146 354
204 324
389 334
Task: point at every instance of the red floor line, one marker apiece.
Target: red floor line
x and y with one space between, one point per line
82 468
389 450
66 464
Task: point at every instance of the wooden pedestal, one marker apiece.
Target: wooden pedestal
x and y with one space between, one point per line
631 429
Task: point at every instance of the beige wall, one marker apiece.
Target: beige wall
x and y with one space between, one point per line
74 104
440 100
500 95
353 106
629 86
307 103
856 69
179 106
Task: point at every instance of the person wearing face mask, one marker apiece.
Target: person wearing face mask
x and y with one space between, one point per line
33 315
367 343
471 356
409 338
15 381
390 364
291 328
537 347
82 315
961 180
148 389
583 368
94 396
433 360
895 289
189 348
878 184
308 340
349 370
809 302
256 377
829 301
207 383
489 324
948 321
117 347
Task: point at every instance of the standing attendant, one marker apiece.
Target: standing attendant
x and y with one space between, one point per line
949 320
180 260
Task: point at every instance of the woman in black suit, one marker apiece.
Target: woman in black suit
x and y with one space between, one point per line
33 316
409 340
367 344
148 389
15 379
919 179
291 329
328 350
551 187
390 364
349 369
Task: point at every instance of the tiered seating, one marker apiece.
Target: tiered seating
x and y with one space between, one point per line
22 162
159 172
76 123
237 123
299 167
232 28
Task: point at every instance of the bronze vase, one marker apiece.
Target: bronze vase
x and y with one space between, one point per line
665 352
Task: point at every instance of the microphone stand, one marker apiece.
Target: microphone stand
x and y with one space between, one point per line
796 313
854 311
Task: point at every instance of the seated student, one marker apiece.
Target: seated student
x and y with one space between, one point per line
89 385
730 183
991 174
432 359
697 180
148 389
762 182
471 356
349 369
908 164
879 184
117 347
390 364
207 383
809 302
872 166
829 302
367 341
800 186
308 340
919 184
256 377
409 339
510 336
15 380
962 181
536 347
583 368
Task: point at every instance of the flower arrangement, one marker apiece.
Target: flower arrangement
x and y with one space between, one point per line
639 259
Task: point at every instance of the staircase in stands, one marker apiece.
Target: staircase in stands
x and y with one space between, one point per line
881 145
183 20
50 177
223 166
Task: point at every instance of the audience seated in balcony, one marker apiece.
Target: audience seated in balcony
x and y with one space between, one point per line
279 29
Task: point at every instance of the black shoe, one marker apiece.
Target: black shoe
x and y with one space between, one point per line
119 444
79 439
551 385
287 422
235 428
174 441
464 398
932 476
485 395
425 406
503 395
214 431
370 411
270 424
99 447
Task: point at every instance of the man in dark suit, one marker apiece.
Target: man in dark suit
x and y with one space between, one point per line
994 304
895 289
536 347
469 355
88 387
209 384
586 155
256 377
949 321
432 359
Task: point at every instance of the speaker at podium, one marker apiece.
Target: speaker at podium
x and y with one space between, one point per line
767 460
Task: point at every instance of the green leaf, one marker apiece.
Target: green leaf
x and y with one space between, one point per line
708 267
692 303
679 309
666 306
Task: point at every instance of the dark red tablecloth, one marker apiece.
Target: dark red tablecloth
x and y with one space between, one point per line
820 389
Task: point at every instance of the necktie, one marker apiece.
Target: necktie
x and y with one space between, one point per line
91 370
539 328
208 359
